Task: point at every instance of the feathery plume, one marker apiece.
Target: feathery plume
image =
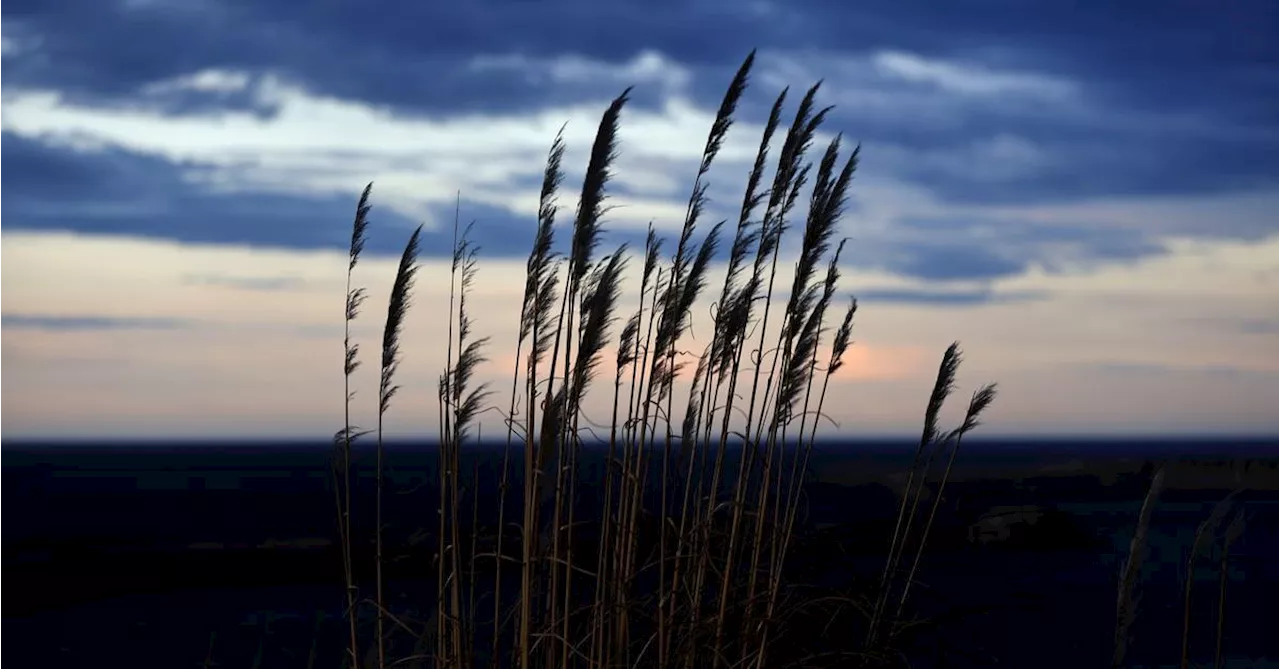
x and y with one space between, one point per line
841 342
541 256
586 227
597 313
396 310
943 386
358 228
627 341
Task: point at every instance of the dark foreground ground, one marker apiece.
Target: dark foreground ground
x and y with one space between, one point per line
174 555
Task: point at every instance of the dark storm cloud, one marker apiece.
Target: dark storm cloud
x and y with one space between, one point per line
115 191
110 190
1171 100
1075 164
415 58
1189 54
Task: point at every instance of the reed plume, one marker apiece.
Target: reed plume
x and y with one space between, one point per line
943 386
397 307
355 298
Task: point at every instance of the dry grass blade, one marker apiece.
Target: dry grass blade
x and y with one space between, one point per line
799 365
541 277
466 400
697 199
1234 530
586 237
819 228
675 314
355 297
978 404
943 386
788 179
1204 536
555 423
1126 592
397 307
751 200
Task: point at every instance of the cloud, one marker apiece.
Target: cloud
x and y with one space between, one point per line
955 298
112 49
68 183
1043 118
107 189
1251 325
1259 326
255 283
647 67
258 136
969 80
1130 369
957 247
83 322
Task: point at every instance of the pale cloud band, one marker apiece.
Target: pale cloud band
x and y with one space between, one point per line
252 362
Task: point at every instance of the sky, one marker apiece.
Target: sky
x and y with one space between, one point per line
1084 194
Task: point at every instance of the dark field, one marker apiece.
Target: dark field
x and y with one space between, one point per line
174 555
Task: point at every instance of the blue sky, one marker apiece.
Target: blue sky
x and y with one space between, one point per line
1084 193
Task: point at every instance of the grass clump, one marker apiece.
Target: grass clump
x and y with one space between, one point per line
691 540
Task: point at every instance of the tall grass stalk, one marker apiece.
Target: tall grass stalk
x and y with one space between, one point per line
355 298
533 314
1234 530
1131 571
943 386
690 569
397 307
1202 542
977 405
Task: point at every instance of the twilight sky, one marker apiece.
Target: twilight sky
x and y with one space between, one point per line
1083 193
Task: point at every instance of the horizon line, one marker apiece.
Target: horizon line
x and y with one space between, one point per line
499 441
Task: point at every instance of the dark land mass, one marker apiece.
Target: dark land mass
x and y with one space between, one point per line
167 555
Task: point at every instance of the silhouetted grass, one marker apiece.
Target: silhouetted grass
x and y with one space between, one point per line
690 568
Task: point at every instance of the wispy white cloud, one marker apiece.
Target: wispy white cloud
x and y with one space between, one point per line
647 67
970 79
210 81
316 145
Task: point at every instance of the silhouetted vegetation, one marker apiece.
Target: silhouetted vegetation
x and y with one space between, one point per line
687 565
